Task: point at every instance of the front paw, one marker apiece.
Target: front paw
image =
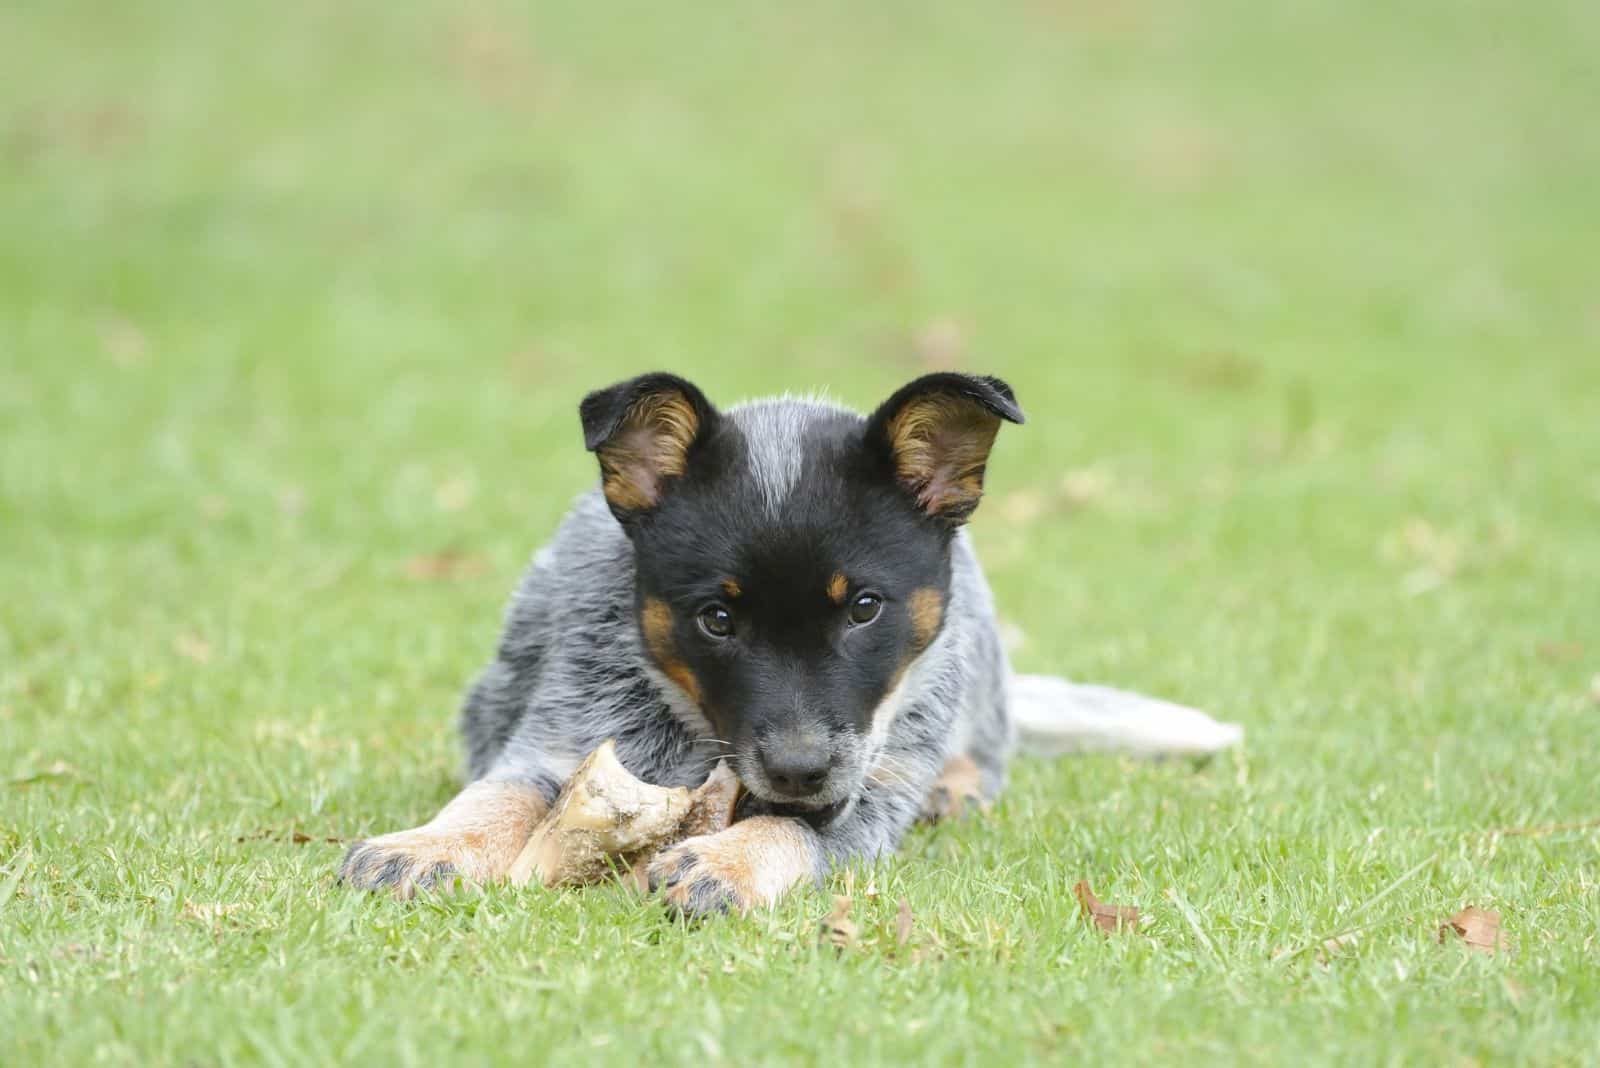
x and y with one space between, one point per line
695 879
403 862
956 792
750 864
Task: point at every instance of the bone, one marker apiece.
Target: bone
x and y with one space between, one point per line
606 820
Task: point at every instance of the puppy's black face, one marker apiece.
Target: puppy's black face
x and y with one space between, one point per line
793 560
791 626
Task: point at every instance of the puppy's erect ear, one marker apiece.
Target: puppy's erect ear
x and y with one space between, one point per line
937 432
643 431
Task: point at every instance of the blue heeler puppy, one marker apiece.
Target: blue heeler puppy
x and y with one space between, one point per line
787 584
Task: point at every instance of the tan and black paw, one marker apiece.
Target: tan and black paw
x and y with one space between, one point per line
402 863
955 793
695 881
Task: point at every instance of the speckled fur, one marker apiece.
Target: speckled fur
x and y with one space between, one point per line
571 671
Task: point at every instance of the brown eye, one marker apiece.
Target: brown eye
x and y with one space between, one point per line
865 608
716 621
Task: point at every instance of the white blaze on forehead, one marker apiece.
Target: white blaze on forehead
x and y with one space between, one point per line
774 433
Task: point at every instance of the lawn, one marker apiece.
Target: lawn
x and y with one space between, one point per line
296 304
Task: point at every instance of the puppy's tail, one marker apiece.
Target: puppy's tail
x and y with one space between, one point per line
1054 716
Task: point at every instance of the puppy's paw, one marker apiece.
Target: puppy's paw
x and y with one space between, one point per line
749 865
956 792
403 863
695 878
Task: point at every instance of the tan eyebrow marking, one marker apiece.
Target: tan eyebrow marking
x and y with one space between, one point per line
731 587
838 586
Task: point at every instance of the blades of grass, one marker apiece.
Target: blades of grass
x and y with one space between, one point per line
1361 910
1189 914
19 865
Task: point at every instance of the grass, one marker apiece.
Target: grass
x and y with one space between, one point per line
296 302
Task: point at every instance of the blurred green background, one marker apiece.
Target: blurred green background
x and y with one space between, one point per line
296 305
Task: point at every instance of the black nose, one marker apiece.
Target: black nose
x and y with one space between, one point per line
796 770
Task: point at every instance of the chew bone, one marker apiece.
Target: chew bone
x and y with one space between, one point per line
606 819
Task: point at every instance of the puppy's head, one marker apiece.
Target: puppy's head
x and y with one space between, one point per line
793 558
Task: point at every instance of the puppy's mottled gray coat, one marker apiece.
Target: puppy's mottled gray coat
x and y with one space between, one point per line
790 574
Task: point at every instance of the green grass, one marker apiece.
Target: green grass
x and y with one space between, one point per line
1301 300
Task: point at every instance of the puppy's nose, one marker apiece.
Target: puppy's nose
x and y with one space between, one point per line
796 770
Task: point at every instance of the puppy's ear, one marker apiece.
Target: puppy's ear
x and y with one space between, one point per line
643 431
936 433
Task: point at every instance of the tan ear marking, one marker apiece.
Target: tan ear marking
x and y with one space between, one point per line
838 586
941 445
650 446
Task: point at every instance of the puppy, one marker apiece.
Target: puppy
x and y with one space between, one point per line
786 584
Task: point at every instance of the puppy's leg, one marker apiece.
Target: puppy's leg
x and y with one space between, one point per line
957 791
476 836
752 863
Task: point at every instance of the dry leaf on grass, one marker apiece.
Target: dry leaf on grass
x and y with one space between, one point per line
838 927
1112 919
903 923
1478 928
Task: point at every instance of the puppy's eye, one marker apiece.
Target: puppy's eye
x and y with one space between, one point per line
865 608
716 621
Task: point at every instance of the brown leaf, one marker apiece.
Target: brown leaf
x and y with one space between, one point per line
445 565
902 923
1478 928
1111 919
838 927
